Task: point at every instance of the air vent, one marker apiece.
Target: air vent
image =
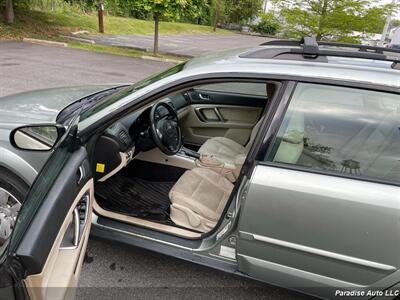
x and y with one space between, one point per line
124 137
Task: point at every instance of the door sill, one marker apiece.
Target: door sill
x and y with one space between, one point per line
145 223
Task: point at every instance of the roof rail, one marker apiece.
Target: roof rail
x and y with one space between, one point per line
309 48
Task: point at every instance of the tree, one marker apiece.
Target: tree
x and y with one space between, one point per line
331 19
9 12
268 24
217 12
241 11
395 23
174 9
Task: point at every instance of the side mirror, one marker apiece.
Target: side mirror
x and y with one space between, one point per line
40 137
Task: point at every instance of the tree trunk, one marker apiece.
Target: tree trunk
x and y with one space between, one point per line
321 23
156 23
9 12
101 17
216 15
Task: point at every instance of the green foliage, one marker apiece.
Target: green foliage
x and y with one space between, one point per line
50 25
331 19
269 24
240 11
22 4
60 5
169 9
193 11
395 23
199 12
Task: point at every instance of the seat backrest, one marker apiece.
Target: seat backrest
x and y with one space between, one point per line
253 135
292 143
378 152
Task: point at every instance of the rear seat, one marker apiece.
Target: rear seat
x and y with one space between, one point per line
377 150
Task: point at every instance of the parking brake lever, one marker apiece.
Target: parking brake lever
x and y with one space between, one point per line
190 153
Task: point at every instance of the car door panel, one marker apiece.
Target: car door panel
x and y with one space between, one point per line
220 110
63 265
53 247
298 229
203 121
207 96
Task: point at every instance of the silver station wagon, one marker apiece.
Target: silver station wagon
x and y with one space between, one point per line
280 163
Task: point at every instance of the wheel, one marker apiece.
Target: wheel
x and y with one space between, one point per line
12 185
12 194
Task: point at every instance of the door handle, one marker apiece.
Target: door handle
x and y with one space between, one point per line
202 117
219 115
204 97
80 216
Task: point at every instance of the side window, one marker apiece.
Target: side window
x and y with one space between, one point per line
344 130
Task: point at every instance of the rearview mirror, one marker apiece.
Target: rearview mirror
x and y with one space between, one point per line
41 137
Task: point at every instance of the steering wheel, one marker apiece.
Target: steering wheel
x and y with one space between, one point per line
165 130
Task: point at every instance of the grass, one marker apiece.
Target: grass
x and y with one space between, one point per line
37 24
120 51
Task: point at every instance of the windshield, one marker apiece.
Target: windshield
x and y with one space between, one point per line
107 101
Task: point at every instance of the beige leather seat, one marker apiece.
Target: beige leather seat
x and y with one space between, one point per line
376 149
198 199
226 150
292 144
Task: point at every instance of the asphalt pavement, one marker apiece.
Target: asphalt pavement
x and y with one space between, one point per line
114 271
186 45
25 66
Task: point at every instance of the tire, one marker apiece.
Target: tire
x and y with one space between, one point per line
12 184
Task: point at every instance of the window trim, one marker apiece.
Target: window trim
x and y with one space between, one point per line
269 142
325 172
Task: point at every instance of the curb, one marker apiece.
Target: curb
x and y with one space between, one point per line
144 49
149 50
161 59
79 39
44 42
60 44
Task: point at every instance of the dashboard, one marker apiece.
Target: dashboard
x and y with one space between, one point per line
123 140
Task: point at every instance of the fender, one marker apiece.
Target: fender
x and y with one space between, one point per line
17 165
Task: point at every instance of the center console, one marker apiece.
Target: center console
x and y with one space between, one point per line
189 159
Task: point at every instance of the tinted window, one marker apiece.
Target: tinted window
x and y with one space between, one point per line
345 130
115 97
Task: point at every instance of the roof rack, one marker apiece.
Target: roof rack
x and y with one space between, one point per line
309 48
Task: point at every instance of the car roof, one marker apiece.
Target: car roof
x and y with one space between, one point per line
349 69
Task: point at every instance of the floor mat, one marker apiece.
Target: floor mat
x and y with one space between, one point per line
135 197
